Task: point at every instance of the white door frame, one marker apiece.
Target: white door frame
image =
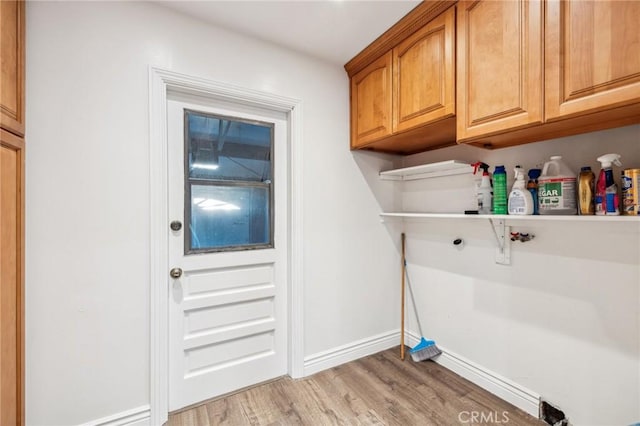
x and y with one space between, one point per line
160 82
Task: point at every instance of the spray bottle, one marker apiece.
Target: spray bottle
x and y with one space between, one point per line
484 192
520 199
607 199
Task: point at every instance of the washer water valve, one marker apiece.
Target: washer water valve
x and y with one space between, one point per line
521 236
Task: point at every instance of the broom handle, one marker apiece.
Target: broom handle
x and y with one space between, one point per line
402 302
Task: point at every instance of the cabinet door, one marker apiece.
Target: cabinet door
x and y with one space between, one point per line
12 65
592 56
371 103
499 67
424 74
11 279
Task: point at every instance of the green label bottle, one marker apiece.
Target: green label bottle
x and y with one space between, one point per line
500 190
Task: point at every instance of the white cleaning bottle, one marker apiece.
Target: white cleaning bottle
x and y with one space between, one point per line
520 199
484 191
557 188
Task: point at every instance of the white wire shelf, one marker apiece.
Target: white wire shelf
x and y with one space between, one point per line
426 171
543 218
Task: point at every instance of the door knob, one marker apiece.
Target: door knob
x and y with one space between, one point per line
176 225
175 273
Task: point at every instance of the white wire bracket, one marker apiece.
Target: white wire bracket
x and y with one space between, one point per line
502 234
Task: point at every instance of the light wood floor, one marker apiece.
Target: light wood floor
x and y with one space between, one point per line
376 390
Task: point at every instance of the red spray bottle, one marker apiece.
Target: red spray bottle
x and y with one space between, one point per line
607 200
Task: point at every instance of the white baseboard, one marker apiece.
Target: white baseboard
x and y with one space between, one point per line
135 417
350 352
504 388
523 398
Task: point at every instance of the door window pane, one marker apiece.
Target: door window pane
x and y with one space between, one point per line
225 148
228 183
229 216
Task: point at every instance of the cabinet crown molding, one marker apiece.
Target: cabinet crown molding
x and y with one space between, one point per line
410 23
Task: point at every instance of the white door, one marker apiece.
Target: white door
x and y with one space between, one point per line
228 286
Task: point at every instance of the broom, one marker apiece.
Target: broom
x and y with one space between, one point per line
425 349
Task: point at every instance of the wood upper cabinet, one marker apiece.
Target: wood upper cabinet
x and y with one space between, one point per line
591 67
12 66
499 66
371 102
424 74
403 84
525 71
592 56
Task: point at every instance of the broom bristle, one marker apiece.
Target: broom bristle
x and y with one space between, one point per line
425 353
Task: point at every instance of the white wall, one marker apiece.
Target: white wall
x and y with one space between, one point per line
564 319
87 222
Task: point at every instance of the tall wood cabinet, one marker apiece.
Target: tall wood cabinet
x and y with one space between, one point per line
11 278
500 82
12 213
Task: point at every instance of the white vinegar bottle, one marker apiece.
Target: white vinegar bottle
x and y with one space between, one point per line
520 199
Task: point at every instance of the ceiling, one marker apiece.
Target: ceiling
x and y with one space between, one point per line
332 30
